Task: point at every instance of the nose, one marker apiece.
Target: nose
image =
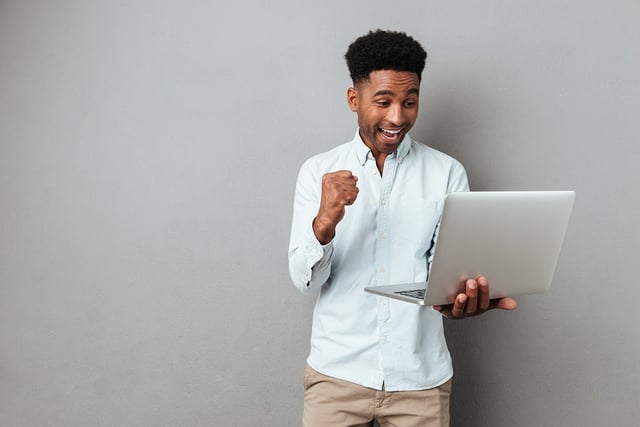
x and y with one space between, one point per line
395 114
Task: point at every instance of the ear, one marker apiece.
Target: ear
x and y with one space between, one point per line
352 99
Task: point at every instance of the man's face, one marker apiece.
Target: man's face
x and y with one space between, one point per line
387 107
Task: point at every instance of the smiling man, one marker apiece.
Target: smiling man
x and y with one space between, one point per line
366 213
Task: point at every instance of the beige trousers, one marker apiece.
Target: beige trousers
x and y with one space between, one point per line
332 402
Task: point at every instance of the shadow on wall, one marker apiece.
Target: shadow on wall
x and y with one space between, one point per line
462 124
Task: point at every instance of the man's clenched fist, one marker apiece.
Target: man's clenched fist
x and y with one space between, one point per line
338 190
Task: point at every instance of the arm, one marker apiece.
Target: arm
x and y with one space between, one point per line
318 208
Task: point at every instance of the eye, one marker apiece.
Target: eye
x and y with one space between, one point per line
382 103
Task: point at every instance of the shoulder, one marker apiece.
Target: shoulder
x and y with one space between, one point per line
438 167
429 154
327 159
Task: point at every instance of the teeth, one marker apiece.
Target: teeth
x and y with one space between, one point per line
391 132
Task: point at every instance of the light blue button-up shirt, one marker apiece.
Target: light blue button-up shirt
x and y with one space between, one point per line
386 237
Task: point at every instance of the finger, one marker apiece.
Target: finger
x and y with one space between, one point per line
343 173
445 310
504 304
350 190
472 297
349 195
458 305
439 308
339 179
483 294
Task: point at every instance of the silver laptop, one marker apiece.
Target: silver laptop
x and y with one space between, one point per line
513 238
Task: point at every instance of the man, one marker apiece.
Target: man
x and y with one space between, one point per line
365 213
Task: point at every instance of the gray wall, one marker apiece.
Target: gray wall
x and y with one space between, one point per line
148 153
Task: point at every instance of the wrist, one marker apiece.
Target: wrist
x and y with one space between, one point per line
323 230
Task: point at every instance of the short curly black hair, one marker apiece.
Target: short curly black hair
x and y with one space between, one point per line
384 50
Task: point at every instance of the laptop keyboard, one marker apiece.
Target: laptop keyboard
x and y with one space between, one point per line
416 293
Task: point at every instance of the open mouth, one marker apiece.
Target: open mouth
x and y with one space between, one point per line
390 135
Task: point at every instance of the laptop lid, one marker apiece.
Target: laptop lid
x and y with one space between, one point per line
513 238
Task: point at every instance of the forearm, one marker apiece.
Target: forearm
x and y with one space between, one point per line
309 255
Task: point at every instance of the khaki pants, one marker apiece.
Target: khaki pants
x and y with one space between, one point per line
332 402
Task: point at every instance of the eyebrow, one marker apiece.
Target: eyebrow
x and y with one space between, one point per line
391 93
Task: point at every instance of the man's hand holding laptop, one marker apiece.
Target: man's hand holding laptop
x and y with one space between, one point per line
475 301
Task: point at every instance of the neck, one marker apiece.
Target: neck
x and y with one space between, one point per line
380 158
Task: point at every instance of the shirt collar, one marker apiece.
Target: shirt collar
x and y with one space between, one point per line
363 152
